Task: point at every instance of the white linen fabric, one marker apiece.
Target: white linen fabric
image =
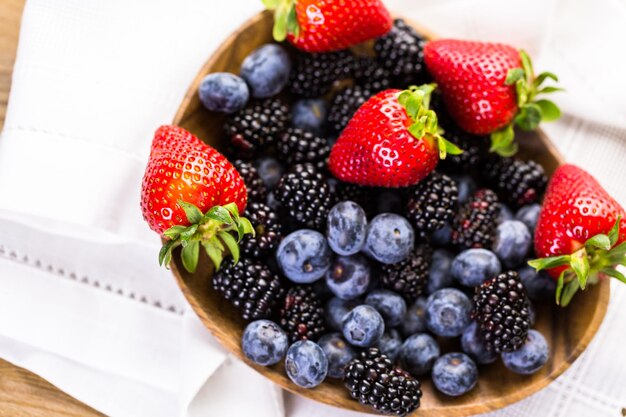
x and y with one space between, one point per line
82 301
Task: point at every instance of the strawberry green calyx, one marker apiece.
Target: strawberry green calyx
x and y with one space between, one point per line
599 257
531 110
218 230
285 18
416 101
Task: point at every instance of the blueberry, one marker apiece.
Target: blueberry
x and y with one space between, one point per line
418 353
473 344
306 364
390 238
390 344
539 285
455 374
529 215
270 171
264 342
272 202
466 186
389 304
349 276
223 92
304 256
346 228
505 214
309 114
442 237
448 312
472 267
338 352
512 243
363 326
440 275
530 357
266 70
336 309
415 318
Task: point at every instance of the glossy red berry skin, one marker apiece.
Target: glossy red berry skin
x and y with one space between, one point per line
182 167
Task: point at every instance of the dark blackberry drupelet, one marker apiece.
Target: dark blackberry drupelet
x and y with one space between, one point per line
475 148
517 182
302 314
314 74
345 104
268 231
475 224
254 185
257 125
368 73
401 51
297 146
409 277
432 202
372 380
501 310
304 192
250 286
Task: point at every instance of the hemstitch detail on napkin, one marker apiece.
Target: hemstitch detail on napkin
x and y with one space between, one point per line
15 256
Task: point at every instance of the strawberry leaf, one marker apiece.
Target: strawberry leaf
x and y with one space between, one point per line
514 75
190 255
568 292
214 254
231 243
502 141
188 233
219 214
270 4
614 232
559 287
580 265
165 254
247 226
529 117
549 110
174 231
293 26
521 88
600 241
543 76
232 208
550 89
550 262
527 64
193 213
281 20
612 272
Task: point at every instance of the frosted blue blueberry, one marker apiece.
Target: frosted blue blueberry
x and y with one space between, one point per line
389 304
306 364
390 344
455 374
309 114
390 238
304 256
472 267
336 309
539 285
448 312
346 228
505 213
473 344
348 276
442 237
415 318
512 243
338 352
264 342
223 92
466 186
266 70
363 326
270 171
529 215
418 354
531 357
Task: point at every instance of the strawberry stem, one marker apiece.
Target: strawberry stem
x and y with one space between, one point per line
213 231
416 102
285 18
531 111
598 257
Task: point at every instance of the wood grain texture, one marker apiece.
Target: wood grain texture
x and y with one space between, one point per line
22 393
568 332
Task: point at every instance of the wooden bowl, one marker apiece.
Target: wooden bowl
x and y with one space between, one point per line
568 331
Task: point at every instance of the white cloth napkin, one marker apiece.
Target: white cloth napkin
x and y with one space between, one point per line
82 301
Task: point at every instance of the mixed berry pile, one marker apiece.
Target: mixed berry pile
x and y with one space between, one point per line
364 210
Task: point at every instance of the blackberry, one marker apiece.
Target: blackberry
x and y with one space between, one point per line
302 314
297 146
314 74
304 192
360 194
372 380
257 125
250 286
345 104
410 276
517 182
369 74
501 310
268 231
432 202
254 185
474 150
475 224
401 51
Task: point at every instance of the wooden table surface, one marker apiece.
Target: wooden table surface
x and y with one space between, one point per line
23 393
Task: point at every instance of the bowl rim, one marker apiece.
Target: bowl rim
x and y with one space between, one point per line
457 410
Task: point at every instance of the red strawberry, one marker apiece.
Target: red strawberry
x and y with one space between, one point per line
328 25
580 233
184 179
489 87
391 141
